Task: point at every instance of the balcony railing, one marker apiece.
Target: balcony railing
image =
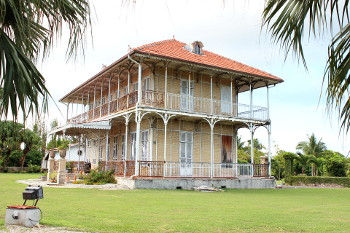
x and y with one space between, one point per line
175 102
194 169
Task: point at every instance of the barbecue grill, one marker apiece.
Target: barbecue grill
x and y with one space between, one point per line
33 193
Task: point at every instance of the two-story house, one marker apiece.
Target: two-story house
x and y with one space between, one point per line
167 111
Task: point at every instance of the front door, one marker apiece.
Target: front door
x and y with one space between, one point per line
186 148
226 151
186 95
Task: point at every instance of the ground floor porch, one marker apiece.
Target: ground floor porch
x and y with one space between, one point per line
166 169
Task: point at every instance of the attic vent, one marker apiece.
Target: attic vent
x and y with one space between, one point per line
195 47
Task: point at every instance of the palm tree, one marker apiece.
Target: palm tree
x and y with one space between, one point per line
28 30
312 146
303 160
289 20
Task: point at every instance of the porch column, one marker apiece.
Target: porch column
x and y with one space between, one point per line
128 96
211 94
269 147
166 85
94 104
107 149
85 149
251 128
151 122
231 97
166 118
88 103
212 123
251 99
82 107
189 91
76 110
109 95
67 112
268 102
139 85
101 100
138 118
127 118
118 92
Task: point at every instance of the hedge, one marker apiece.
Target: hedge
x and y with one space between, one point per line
319 180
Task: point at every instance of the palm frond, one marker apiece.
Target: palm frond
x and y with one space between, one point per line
23 85
28 30
288 20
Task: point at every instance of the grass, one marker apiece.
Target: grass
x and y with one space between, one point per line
278 210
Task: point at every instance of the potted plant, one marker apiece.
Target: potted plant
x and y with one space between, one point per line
53 177
62 149
52 153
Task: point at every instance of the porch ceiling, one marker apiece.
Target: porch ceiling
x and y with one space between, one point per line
75 129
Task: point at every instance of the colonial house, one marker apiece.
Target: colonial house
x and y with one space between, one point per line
168 112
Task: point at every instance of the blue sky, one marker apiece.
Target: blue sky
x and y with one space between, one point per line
229 28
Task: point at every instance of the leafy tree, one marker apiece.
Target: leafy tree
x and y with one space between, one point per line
278 165
12 134
289 20
335 163
312 146
28 30
244 151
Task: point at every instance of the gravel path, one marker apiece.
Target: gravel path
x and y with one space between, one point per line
70 185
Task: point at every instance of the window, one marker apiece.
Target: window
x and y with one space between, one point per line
123 148
115 148
186 150
186 95
135 86
133 146
125 90
100 151
225 99
147 83
144 145
117 94
197 49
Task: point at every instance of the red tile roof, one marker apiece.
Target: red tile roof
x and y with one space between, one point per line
175 49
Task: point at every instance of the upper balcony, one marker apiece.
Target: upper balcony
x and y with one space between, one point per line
184 104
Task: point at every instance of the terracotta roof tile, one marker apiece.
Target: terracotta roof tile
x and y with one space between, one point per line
175 49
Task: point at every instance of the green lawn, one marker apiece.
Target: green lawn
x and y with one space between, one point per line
279 210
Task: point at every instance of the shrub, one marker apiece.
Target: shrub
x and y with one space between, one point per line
319 180
34 168
100 177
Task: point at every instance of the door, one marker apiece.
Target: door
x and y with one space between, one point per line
186 95
225 99
186 149
226 151
144 145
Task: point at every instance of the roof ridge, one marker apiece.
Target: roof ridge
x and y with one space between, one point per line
154 44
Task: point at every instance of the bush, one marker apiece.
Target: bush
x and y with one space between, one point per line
319 180
100 177
34 168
